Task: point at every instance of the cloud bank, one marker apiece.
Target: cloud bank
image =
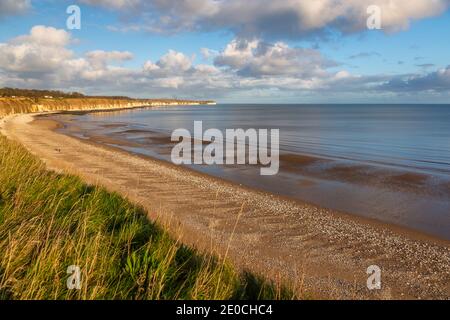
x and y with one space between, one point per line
270 19
43 58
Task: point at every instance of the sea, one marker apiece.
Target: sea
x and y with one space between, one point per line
389 163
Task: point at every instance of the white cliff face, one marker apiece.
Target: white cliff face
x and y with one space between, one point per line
22 105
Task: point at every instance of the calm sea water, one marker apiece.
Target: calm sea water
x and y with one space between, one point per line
387 162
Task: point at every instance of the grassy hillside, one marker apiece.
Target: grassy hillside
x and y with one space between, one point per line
50 221
27 105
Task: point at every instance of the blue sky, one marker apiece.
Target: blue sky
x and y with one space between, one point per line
236 52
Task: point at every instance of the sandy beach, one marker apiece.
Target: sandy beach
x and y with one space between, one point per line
325 253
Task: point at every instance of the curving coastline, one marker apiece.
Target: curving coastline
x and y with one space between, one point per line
322 251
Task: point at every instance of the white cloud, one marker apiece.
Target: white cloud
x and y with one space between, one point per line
100 58
175 61
172 63
149 66
41 51
256 58
42 58
208 53
242 68
43 55
114 4
13 7
206 69
275 19
45 36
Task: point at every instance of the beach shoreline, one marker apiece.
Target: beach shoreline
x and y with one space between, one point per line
47 121
328 252
401 196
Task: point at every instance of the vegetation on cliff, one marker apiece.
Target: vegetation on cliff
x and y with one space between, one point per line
14 101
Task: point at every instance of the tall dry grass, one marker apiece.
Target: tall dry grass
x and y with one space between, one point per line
50 221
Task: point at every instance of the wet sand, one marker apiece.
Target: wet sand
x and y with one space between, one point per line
406 196
324 252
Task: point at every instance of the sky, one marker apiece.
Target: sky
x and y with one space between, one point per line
232 51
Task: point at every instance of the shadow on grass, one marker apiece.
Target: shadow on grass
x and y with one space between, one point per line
55 220
5 292
255 287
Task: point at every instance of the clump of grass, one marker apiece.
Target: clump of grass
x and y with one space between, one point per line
50 221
